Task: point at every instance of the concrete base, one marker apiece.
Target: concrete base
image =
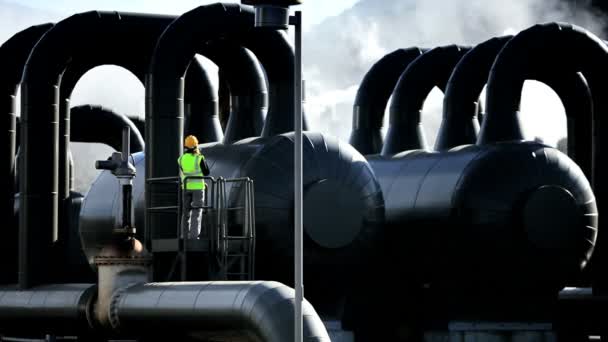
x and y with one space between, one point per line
493 332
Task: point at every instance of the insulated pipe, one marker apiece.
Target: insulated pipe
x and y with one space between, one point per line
49 309
214 309
248 92
96 124
201 105
432 69
277 57
576 98
372 98
174 51
524 55
111 37
460 125
13 55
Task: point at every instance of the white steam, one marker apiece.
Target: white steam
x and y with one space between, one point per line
340 50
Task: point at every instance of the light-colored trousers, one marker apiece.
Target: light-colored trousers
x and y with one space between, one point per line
192 212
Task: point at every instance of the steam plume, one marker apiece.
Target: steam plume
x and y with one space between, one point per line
340 50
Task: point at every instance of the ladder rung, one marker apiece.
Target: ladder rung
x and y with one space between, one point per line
163 209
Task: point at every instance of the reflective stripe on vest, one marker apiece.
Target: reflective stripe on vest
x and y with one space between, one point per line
190 167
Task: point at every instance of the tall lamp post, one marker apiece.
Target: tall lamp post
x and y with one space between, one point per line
275 14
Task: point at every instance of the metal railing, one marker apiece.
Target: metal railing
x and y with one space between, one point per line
231 237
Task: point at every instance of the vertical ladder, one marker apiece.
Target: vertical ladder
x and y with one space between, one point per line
237 241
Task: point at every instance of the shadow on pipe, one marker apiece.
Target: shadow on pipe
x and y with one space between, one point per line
13 55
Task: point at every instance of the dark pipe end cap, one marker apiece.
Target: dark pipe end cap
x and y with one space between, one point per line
551 217
329 223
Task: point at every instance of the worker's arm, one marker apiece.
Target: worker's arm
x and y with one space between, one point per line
204 167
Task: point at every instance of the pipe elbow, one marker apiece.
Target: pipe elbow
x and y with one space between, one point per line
269 307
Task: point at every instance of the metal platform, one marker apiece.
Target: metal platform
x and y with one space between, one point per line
227 227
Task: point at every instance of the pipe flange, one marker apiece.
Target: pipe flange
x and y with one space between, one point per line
113 261
113 311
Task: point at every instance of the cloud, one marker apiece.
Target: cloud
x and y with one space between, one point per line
340 50
15 17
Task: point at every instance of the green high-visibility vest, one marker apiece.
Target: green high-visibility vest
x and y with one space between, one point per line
190 166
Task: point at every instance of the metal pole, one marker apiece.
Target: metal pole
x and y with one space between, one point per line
126 143
299 275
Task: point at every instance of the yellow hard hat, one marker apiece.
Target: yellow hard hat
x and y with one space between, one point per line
191 142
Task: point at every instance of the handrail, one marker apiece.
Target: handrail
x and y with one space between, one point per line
216 200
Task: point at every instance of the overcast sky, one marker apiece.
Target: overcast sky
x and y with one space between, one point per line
316 10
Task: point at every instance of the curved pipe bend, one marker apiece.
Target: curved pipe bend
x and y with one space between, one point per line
585 53
107 127
201 105
372 98
430 70
263 309
460 125
247 83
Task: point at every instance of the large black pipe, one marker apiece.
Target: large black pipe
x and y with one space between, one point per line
432 69
201 105
124 39
96 124
460 125
174 51
564 48
247 83
277 57
372 98
260 311
13 55
51 309
202 112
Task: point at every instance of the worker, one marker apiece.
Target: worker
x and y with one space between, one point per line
192 164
